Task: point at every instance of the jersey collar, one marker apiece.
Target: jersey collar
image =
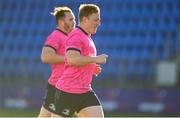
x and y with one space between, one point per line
83 31
61 31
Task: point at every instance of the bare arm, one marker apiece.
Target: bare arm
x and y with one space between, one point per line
49 56
76 59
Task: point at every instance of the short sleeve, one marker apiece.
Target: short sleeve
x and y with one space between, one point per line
52 42
74 43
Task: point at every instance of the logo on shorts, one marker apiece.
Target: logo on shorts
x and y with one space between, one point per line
66 112
52 107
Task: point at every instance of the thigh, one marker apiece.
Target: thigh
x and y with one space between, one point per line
49 99
92 111
91 106
44 113
65 104
55 116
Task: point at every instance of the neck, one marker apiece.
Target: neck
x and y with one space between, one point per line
84 27
63 29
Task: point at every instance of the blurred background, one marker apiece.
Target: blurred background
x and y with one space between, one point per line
141 37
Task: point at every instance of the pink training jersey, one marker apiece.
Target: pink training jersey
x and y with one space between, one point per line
78 79
56 40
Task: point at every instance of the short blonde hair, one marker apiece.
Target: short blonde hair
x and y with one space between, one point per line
59 12
86 10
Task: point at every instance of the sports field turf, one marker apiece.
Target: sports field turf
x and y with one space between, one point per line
34 113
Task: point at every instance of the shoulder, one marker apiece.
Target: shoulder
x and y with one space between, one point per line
53 34
75 35
56 36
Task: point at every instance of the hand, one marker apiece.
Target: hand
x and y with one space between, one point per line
97 70
101 59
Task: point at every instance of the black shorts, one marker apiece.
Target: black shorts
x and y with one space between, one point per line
49 98
67 104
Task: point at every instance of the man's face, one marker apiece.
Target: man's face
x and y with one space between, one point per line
69 21
93 21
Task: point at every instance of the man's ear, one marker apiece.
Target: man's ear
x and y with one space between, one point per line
85 19
60 22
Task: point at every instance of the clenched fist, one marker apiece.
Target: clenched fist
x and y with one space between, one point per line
101 59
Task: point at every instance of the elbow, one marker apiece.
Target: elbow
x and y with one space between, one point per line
44 59
72 62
